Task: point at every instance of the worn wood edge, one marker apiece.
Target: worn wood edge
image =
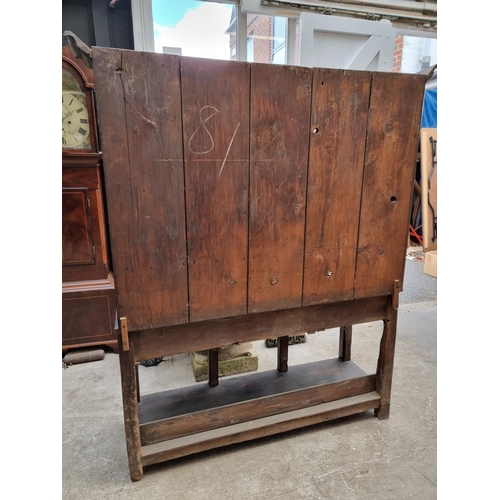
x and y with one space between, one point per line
201 336
89 286
254 429
182 425
129 388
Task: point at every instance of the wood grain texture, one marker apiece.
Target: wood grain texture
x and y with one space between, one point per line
385 362
339 113
77 244
139 109
205 335
207 171
391 152
279 137
83 220
215 107
130 399
87 317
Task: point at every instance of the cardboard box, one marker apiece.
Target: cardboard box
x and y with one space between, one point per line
430 263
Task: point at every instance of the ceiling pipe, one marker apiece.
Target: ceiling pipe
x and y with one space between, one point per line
389 9
423 7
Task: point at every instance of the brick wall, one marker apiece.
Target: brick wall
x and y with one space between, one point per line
260 27
398 54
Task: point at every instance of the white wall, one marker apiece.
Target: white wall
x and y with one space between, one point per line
414 50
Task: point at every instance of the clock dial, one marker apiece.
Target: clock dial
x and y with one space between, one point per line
75 121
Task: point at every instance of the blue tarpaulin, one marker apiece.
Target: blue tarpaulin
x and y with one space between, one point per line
429 111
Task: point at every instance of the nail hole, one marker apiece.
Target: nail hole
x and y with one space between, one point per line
393 199
315 130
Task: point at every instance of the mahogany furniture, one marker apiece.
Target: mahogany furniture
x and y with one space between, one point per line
88 295
250 201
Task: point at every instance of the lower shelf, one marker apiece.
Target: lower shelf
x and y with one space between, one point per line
197 418
202 441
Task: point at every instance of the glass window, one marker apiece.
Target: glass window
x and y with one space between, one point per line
194 28
266 42
250 49
279 33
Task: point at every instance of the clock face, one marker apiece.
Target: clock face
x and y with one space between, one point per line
75 121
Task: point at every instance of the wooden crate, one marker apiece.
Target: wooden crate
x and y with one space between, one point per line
249 201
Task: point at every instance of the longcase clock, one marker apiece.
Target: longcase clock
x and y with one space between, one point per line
88 293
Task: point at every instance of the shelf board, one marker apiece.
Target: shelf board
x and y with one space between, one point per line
191 399
173 414
201 441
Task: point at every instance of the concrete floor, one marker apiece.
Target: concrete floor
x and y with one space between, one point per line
357 457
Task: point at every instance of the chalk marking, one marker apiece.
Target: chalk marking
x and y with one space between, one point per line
211 159
227 152
202 124
147 120
272 140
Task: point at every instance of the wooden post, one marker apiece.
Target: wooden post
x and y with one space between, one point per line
385 362
137 383
345 341
130 407
213 367
283 354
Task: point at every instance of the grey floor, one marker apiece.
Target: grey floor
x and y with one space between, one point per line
358 457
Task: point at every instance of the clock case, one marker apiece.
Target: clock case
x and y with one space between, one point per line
88 292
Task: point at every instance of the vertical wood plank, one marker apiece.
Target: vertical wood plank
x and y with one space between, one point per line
345 343
391 151
280 115
339 113
215 100
139 111
213 367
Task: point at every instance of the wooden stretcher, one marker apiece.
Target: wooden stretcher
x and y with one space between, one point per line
249 201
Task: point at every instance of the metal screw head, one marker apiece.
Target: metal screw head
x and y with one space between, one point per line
329 274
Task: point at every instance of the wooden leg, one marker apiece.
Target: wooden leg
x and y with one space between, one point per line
385 363
283 354
213 368
345 341
131 411
137 382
